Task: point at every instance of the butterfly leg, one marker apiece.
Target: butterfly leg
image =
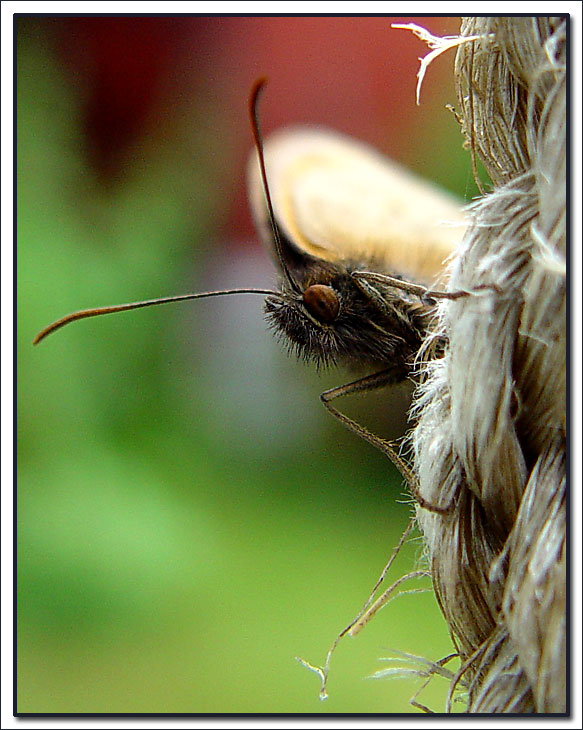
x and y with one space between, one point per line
362 385
366 277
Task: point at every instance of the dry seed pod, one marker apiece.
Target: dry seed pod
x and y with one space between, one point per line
491 435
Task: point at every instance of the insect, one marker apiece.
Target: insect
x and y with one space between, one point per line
347 228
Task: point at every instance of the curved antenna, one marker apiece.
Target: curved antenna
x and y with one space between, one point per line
98 311
253 103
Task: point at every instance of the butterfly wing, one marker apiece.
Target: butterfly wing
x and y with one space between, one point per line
336 198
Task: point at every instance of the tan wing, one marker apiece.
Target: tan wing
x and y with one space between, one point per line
337 198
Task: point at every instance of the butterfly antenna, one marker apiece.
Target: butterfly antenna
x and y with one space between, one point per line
84 313
253 104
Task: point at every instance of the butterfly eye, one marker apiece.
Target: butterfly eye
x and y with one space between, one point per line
322 302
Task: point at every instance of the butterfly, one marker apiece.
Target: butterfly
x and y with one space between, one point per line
349 230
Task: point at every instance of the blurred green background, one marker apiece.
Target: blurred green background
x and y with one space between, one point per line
189 517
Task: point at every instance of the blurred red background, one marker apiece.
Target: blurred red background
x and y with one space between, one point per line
355 74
